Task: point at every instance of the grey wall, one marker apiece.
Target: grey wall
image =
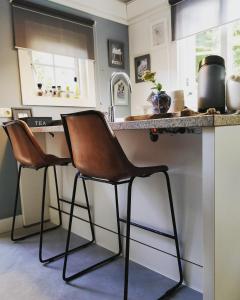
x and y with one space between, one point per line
10 90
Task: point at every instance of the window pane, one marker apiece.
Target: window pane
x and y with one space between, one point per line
236 59
64 61
236 32
83 74
44 75
42 58
236 47
198 60
65 77
208 41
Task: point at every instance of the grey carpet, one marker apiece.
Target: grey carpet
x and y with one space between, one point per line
22 277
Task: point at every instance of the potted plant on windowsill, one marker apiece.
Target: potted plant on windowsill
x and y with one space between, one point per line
159 99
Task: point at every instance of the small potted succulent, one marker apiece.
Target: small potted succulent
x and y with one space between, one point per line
159 99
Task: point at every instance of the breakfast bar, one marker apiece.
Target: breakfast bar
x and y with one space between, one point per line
120 150
204 170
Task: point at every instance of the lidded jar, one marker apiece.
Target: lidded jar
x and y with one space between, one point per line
211 84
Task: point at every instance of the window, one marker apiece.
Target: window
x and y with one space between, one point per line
55 70
224 41
51 79
56 56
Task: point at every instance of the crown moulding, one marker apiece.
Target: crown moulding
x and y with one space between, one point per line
109 9
114 10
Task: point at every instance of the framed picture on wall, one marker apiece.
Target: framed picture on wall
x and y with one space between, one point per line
21 112
142 63
158 32
120 91
116 54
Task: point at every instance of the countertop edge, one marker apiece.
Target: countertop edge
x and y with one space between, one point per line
183 122
226 120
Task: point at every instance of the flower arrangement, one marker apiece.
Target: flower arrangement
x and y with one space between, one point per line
150 76
159 99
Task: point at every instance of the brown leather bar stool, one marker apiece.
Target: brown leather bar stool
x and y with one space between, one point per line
29 154
98 156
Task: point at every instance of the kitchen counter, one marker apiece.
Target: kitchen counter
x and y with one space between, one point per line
204 171
183 122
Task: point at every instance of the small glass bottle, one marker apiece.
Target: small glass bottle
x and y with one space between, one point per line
67 91
54 91
40 91
59 91
76 91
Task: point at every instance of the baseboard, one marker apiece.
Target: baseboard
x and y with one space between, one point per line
6 224
142 254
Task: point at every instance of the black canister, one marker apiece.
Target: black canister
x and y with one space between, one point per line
211 84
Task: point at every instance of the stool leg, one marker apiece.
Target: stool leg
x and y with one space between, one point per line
67 251
129 199
60 255
118 221
88 209
15 211
70 226
58 198
175 238
15 204
42 213
97 265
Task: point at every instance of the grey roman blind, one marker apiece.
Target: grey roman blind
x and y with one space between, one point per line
47 30
193 16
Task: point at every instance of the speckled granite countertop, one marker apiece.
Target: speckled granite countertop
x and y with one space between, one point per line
186 122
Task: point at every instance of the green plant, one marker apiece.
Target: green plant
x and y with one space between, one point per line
150 76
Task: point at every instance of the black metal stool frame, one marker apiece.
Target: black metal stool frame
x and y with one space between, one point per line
174 237
13 238
105 261
128 223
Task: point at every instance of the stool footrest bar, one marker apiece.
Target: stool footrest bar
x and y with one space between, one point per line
21 238
75 204
170 236
61 255
91 268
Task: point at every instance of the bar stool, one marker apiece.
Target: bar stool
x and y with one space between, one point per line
29 154
98 156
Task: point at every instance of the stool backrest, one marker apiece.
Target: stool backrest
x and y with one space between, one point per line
25 147
94 149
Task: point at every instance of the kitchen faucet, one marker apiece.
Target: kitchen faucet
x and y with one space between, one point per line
111 109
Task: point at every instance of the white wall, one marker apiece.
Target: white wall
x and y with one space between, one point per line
142 15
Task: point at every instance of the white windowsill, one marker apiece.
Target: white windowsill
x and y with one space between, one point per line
58 101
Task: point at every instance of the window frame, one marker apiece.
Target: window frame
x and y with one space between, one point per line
28 85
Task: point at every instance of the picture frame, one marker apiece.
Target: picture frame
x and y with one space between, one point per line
21 112
116 54
121 94
141 63
158 33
